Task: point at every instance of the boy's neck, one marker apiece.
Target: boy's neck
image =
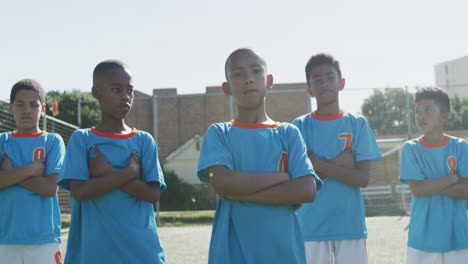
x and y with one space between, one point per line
113 126
328 110
253 117
434 137
28 131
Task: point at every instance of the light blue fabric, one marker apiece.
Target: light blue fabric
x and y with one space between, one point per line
338 211
438 222
246 232
27 217
114 227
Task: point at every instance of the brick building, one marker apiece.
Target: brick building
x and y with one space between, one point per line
181 116
175 120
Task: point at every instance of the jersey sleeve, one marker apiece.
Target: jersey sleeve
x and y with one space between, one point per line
75 164
2 141
150 166
462 166
55 155
214 152
299 164
365 146
409 169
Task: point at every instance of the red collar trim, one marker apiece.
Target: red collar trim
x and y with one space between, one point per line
114 135
327 118
23 135
253 125
434 145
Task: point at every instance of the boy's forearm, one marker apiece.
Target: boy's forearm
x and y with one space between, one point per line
432 186
233 183
46 186
459 190
147 191
16 175
358 176
296 191
93 187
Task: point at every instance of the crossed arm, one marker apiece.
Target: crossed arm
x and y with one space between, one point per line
104 178
450 185
262 187
343 168
30 177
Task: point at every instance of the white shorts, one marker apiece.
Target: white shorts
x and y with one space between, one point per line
336 252
31 254
452 257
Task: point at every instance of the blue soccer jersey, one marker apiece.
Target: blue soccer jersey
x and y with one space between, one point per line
338 211
27 217
114 227
438 222
247 232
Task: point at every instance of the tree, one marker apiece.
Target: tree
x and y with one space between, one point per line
386 111
67 105
458 118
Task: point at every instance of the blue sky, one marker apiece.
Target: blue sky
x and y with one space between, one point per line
183 44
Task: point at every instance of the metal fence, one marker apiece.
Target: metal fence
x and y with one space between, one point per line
48 123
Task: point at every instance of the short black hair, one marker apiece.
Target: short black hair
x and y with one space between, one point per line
27 84
439 96
235 53
321 59
104 66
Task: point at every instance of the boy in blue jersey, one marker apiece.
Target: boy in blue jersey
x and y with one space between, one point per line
435 166
341 147
260 170
114 177
31 160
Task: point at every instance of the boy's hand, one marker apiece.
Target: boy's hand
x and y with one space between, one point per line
317 164
6 163
133 168
99 165
35 169
38 168
454 177
345 160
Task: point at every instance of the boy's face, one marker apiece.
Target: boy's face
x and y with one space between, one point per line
247 80
429 118
27 110
114 91
325 84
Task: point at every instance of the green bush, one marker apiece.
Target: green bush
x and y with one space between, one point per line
181 196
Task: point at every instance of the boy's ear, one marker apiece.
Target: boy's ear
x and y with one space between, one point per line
445 116
270 81
43 108
309 91
226 90
94 92
342 84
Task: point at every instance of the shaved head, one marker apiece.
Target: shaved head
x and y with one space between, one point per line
238 52
104 67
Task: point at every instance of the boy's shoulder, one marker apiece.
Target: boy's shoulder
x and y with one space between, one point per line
457 140
81 132
221 126
4 135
